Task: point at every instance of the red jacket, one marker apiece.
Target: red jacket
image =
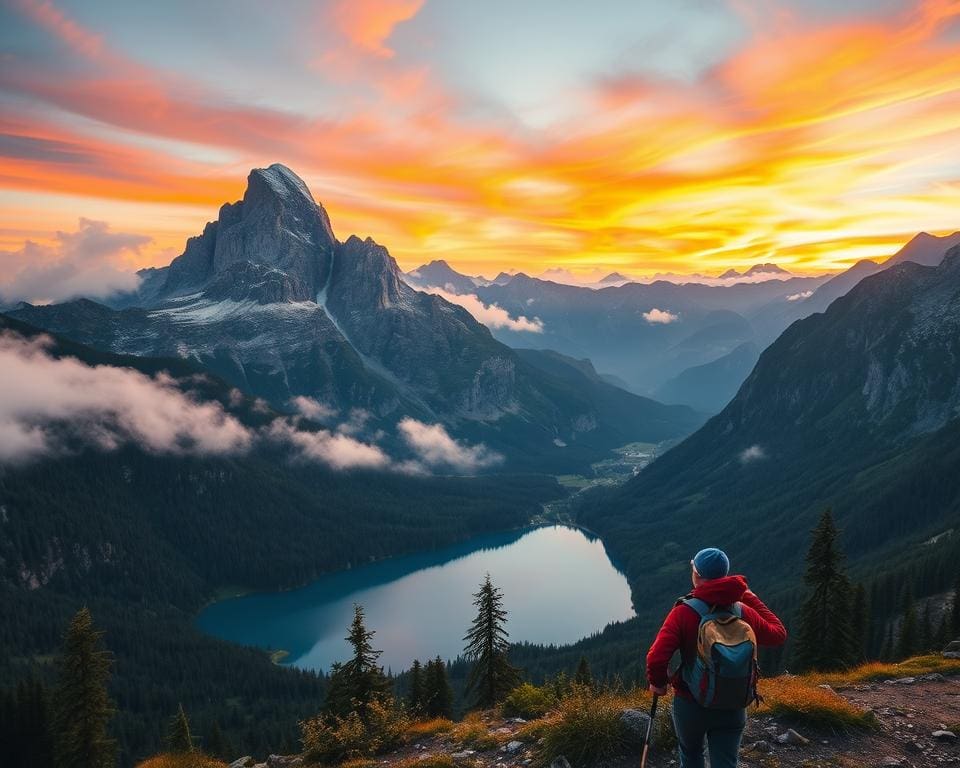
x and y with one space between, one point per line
682 625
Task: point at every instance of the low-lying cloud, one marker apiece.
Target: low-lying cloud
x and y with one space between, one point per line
93 262
46 402
490 315
51 406
800 296
751 454
660 316
434 447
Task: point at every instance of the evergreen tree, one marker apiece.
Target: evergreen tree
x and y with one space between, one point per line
416 697
437 691
216 744
861 623
908 640
926 629
583 675
826 635
943 633
81 706
492 677
25 727
955 612
354 684
179 738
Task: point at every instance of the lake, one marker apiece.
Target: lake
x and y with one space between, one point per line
558 586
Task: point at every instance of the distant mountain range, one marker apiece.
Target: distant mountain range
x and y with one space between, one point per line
268 299
856 408
691 343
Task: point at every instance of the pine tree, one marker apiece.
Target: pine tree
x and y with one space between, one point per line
438 694
908 640
943 633
826 635
492 676
955 612
179 738
583 675
861 623
216 744
926 630
81 706
416 697
354 684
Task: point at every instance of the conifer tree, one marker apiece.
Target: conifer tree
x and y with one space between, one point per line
492 676
826 635
437 691
81 706
861 623
926 630
908 640
179 738
583 675
354 684
955 612
416 698
216 744
943 633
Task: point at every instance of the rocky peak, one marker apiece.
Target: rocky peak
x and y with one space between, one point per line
277 225
365 275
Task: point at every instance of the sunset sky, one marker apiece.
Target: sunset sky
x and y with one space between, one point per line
641 136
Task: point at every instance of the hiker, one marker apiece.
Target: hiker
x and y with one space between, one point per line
732 622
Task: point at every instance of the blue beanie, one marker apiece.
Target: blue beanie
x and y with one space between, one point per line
711 563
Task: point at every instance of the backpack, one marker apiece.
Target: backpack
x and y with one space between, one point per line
724 673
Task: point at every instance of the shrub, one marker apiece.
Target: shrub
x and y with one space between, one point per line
429 727
586 727
333 739
801 700
182 760
529 701
472 732
918 665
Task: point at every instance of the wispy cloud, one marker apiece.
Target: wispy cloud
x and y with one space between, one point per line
436 448
800 296
660 316
336 450
490 315
313 409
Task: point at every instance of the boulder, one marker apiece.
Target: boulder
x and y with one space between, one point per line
635 723
944 735
513 746
901 681
953 645
242 762
761 746
792 737
284 761
560 762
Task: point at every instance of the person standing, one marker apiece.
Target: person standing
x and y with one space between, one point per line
717 629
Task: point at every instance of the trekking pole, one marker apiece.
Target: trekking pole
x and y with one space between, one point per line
646 739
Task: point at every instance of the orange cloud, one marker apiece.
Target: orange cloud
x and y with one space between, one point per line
814 145
368 24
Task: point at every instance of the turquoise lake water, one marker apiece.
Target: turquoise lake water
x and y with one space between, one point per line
558 585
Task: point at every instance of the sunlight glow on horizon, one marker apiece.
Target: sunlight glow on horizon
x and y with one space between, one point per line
790 134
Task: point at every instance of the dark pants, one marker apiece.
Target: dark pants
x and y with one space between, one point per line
722 729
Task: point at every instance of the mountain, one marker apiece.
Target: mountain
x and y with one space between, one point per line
614 278
855 409
925 249
757 269
268 299
439 274
642 333
709 387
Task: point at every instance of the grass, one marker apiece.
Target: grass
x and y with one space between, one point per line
435 760
430 727
188 760
472 732
802 701
876 670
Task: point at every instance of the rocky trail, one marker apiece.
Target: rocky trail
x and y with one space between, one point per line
917 722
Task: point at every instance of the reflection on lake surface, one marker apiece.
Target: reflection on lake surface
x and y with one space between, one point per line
558 585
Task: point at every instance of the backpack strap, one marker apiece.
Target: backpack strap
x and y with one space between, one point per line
703 608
